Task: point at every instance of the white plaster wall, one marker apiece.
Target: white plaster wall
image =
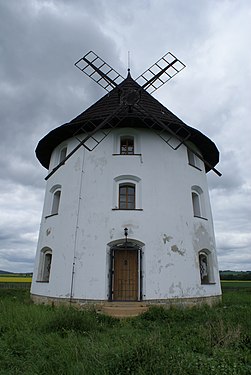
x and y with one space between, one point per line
87 220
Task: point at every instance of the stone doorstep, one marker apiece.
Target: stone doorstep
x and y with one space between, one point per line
123 309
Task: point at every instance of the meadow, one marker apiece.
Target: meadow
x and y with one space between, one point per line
38 339
15 280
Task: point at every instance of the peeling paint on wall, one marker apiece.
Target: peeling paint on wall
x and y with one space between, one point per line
166 238
176 290
99 162
175 249
112 233
83 231
169 265
202 238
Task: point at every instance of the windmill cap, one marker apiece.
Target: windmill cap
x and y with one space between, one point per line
105 107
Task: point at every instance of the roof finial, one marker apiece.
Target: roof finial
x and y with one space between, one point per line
128 61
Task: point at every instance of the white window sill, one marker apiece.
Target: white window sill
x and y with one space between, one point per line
127 209
42 281
51 215
200 217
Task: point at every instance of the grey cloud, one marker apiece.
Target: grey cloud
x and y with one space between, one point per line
19 259
232 177
41 89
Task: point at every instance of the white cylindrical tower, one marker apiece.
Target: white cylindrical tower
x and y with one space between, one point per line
127 216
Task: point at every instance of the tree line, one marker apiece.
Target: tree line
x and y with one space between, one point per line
235 275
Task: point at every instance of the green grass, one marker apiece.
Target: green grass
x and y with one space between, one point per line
236 284
37 339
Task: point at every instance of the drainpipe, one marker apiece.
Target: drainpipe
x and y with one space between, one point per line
76 230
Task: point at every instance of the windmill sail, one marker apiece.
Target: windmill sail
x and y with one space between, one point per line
98 70
160 72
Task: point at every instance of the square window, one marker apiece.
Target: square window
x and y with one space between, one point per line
126 145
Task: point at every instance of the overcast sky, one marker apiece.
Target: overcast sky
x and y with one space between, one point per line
41 89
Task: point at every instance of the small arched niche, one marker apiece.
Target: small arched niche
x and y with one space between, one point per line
45 264
206 269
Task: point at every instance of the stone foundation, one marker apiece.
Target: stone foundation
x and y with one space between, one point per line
99 304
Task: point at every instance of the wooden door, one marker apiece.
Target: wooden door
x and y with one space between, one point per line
125 277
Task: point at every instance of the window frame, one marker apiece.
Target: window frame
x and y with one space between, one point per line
44 272
54 201
127 139
192 158
209 277
130 133
58 154
198 203
127 195
62 153
127 180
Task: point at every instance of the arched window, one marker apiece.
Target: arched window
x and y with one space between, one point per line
127 193
62 154
127 145
206 275
45 264
55 202
127 196
198 202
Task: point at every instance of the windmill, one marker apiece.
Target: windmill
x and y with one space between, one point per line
173 133
128 217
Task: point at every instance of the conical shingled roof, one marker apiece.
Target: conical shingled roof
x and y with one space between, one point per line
129 118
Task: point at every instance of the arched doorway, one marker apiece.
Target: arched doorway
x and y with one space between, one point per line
125 271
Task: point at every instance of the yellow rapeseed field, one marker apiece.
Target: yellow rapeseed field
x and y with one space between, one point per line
15 279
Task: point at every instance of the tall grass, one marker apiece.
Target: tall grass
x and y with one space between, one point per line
46 340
